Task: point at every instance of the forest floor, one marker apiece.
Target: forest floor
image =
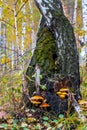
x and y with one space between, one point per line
13 116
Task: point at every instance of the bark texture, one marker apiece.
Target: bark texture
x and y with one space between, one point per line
55 53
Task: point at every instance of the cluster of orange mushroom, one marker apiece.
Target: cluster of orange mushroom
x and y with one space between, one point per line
63 93
39 101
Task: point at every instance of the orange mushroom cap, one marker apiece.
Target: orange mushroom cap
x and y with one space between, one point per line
37 98
44 105
62 96
62 93
35 102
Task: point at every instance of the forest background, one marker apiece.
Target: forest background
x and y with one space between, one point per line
19 22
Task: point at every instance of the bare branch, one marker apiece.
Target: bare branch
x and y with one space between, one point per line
16 1
6 22
21 8
8 49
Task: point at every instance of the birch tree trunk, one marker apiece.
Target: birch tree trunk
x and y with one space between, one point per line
56 55
16 32
83 38
75 10
5 65
0 35
33 36
84 11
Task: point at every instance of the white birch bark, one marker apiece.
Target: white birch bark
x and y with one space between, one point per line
16 32
0 34
33 36
84 10
23 31
4 45
13 56
0 21
75 9
22 44
83 54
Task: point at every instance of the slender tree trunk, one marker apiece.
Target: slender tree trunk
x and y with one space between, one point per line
32 26
0 35
22 50
84 14
16 32
75 10
5 65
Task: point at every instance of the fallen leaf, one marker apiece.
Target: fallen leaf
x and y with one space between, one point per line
31 119
24 124
81 102
9 121
3 114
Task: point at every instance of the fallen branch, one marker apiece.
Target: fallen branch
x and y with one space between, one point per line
77 108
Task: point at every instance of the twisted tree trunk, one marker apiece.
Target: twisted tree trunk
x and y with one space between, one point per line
56 54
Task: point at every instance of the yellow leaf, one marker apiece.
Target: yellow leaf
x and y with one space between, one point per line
31 119
81 102
5 60
0 3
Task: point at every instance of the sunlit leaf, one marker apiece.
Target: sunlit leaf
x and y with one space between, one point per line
24 124
61 116
45 118
55 121
5 126
15 121
32 110
40 76
37 127
25 128
34 75
43 87
20 72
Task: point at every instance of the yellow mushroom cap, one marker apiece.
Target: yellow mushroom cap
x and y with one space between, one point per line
64 89
64 93
35 102
59 93
44 105
37 98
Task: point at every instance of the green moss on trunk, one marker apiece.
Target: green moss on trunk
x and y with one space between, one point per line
56 51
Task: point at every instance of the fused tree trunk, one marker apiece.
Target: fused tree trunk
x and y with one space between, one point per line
56 55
